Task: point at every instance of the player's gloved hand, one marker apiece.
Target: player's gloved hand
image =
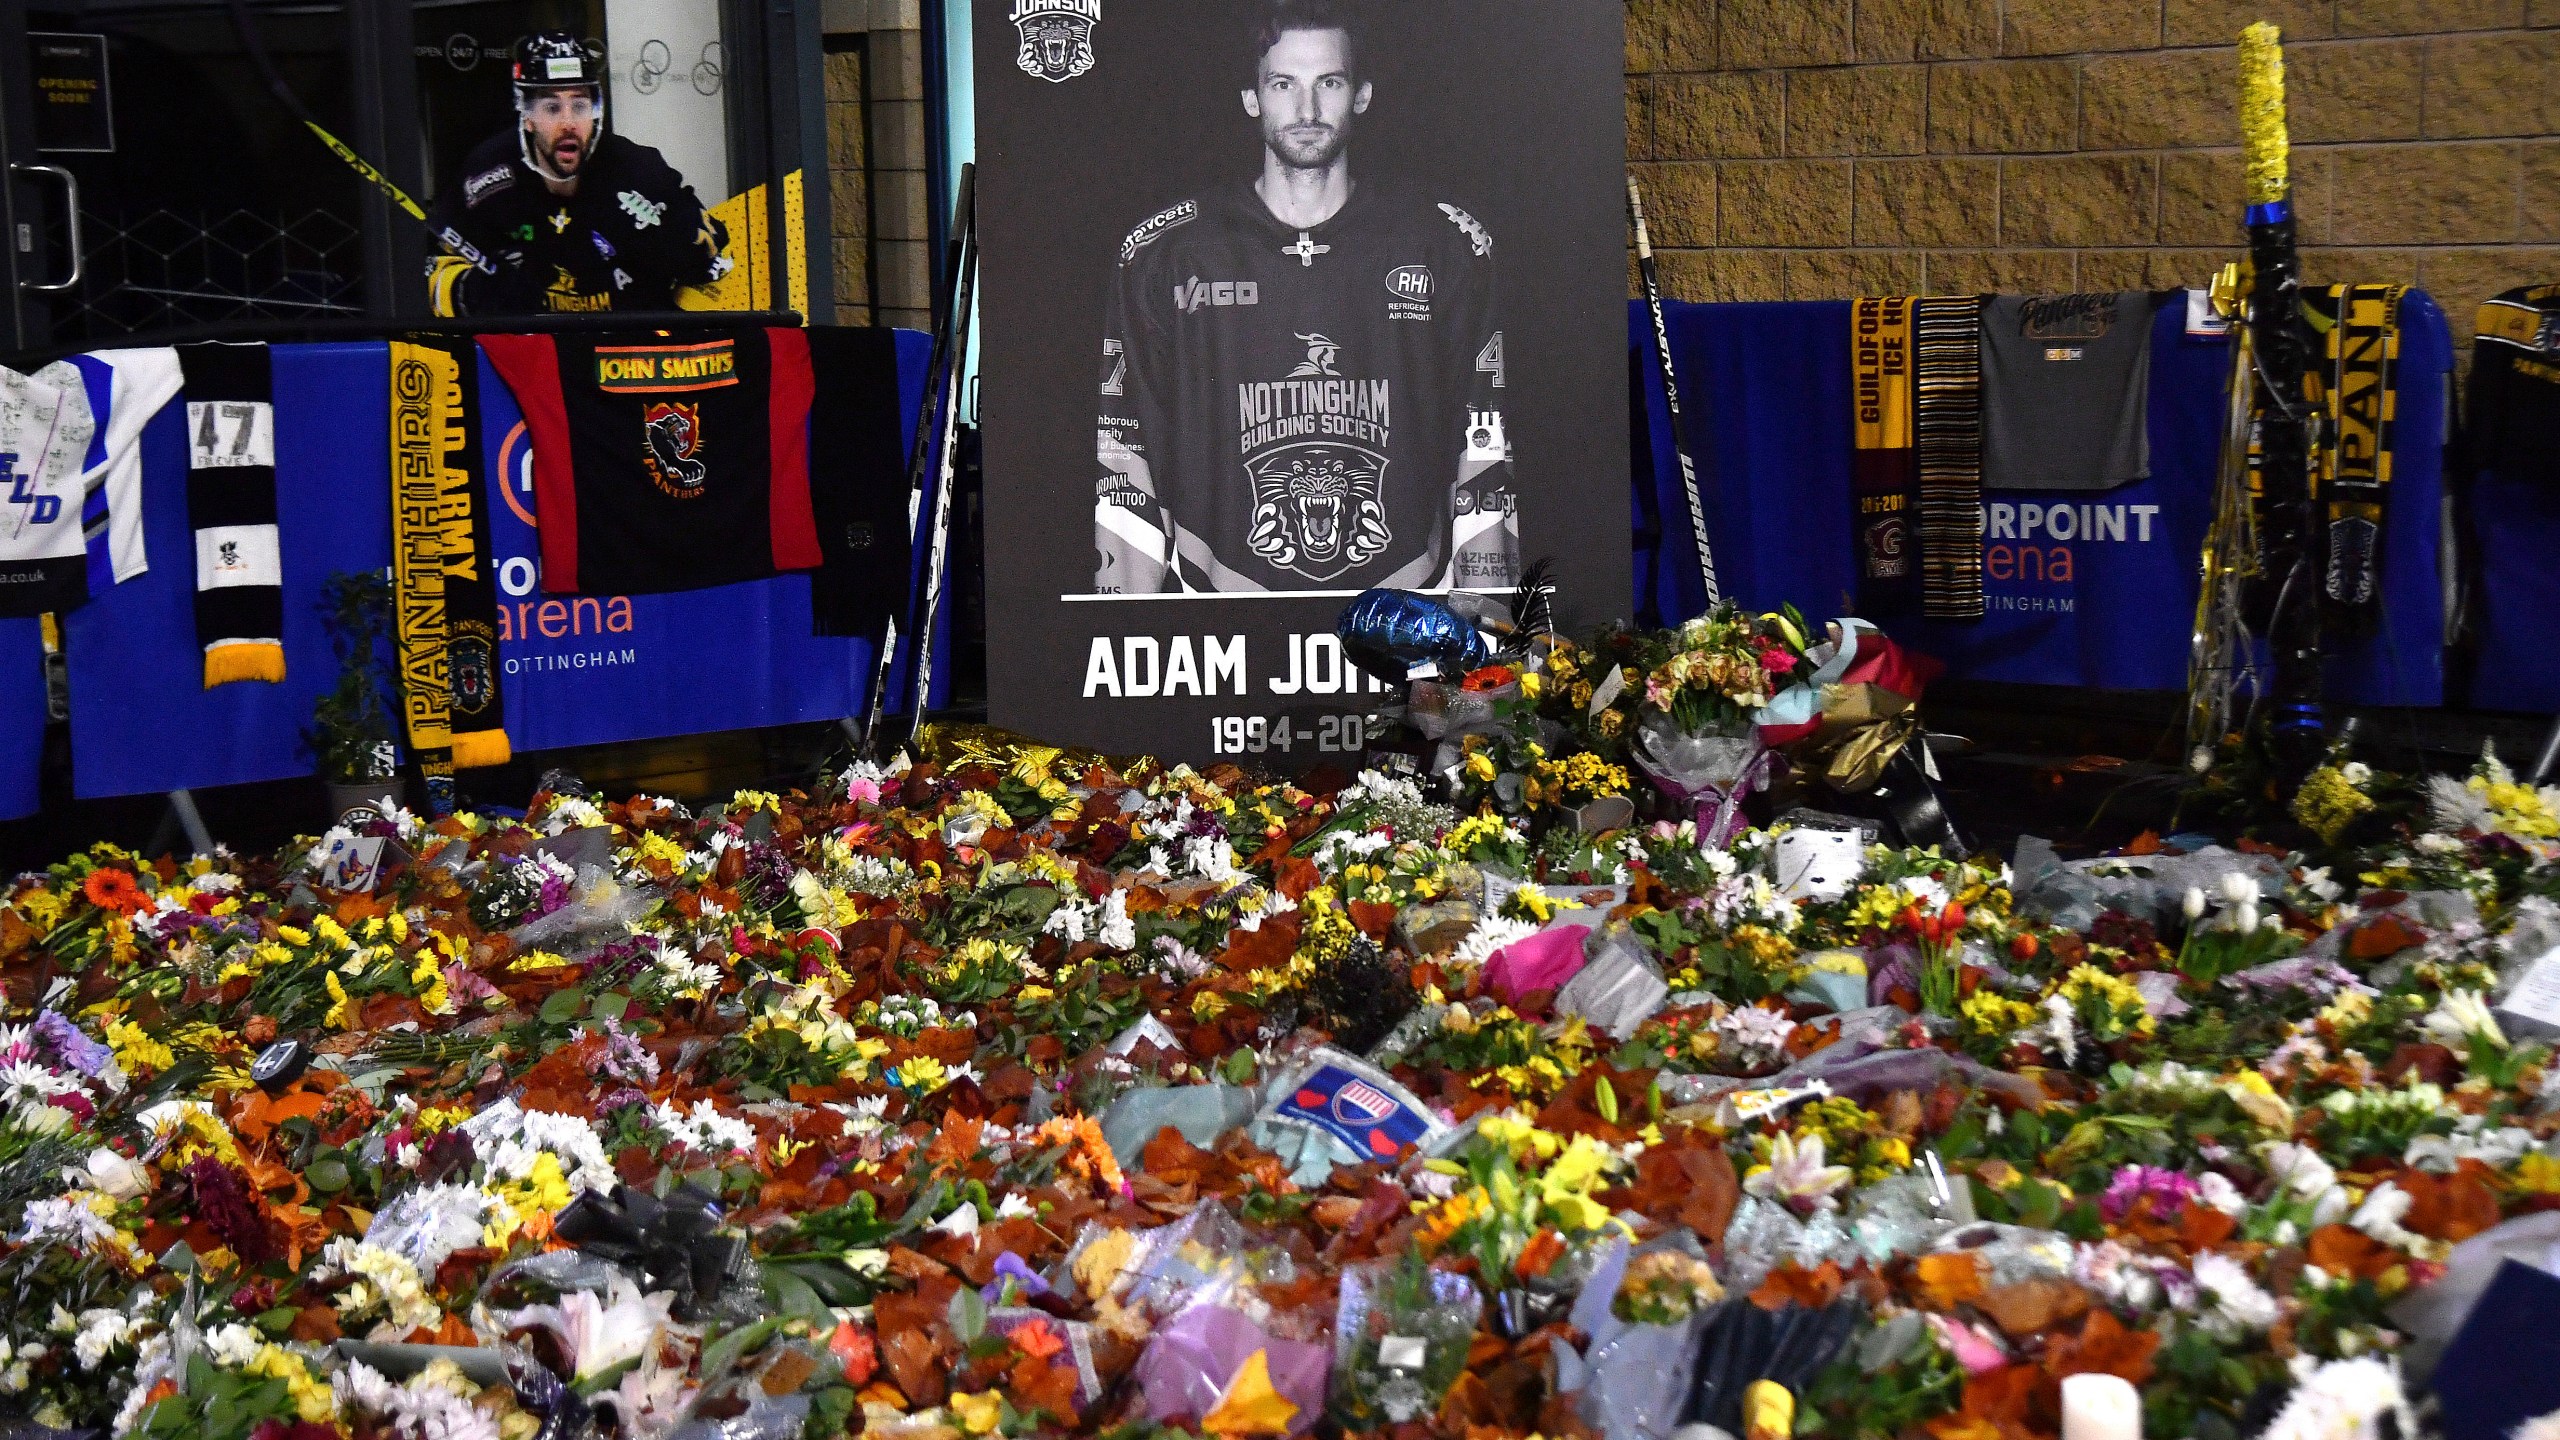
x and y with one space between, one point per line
514 290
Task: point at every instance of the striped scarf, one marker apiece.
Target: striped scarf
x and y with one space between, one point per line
1883 470
444 596
2354 386
1947 364
231 505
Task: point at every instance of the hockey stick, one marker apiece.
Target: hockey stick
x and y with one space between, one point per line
1671 396
962 286
451 238
964 227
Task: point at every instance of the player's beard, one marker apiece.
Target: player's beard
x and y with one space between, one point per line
549 150
1308 147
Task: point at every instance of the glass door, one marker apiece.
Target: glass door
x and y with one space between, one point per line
202 198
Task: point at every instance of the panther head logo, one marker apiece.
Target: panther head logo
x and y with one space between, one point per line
1057 37
674 433
1317 508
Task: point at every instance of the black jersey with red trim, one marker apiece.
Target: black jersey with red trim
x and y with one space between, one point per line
1303 408
624 240
665 462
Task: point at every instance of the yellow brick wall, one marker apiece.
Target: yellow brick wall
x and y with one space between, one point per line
1814 149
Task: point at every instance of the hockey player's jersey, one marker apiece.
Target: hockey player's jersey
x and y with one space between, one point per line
2515 385
44 437
1316 408
126 388
665 463
632 233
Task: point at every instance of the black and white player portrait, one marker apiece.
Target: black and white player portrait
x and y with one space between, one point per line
1302 367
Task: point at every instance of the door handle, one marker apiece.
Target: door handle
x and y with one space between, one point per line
71 194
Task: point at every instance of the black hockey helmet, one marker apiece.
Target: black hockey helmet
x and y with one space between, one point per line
556 59
548 60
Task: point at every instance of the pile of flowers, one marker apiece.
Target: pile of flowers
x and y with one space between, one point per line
991 1095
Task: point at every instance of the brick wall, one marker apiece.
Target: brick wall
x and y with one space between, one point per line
849 182
1811 149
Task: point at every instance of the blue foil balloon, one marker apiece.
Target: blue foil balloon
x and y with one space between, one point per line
1392 633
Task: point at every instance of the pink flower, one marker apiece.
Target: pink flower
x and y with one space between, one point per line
2168 1190
866 792
1777 660
1978 1353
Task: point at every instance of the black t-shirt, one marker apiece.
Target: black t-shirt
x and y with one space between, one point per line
631 233
2514 426
857 481
1294 408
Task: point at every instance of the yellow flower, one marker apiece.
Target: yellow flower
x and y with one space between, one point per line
925 1073
2536 1174
980 1412
311 1399
343 1009
1480 767
1530 682
135 1049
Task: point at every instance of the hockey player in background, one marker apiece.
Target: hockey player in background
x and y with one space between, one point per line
1302 373
574 217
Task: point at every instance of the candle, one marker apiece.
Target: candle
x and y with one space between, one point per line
2100 1407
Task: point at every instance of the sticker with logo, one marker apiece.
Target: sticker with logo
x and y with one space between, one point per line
472 673
487 183
2067 317
1315 450
1365 1116
1057 37
672 450
666 369
1409 292
644 212
1153 230
1194 294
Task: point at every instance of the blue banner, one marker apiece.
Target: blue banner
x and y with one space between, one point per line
2517 530
21 716
580 670
2083 588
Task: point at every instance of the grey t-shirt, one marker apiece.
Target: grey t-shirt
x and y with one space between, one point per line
2066 388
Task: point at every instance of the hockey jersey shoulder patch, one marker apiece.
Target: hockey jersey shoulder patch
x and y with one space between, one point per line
1155 228
488 182
1476 234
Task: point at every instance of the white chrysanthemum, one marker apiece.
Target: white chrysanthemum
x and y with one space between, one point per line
430 1406
704 1130
381 1283
2238 1302
65 1220
234 1345
1490 934
1117 930
101 1333
2342 1400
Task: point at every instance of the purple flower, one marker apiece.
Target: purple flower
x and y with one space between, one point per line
74 1049
1009 1266
2168 1190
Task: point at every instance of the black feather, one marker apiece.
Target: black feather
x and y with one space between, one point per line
1533 612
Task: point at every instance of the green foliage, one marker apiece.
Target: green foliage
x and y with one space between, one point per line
351 726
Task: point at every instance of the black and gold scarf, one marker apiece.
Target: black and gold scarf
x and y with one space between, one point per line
444 590
2356 391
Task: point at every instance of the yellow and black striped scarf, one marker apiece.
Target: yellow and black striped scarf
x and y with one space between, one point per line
444 594
2357 393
